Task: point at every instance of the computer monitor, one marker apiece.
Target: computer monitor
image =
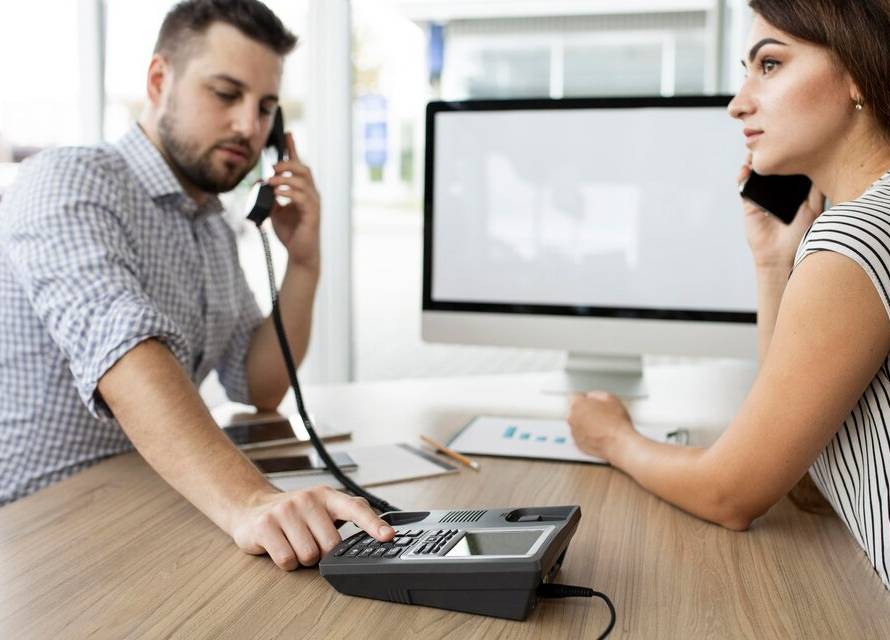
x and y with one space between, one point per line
610 228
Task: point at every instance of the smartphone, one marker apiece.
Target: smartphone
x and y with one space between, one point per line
275 431
779 195
301 465
257 434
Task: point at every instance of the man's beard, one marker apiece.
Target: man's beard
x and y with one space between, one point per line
194 166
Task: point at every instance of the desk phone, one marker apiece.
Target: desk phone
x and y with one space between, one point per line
487 561
490 561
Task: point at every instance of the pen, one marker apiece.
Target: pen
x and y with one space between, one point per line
454 455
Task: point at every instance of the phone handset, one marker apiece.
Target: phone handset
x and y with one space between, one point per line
264 203
265 199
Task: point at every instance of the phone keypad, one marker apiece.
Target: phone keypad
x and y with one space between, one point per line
434 544
361 545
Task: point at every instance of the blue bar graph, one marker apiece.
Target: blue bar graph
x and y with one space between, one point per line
511 432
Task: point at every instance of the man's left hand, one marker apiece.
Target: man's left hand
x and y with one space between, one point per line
297 223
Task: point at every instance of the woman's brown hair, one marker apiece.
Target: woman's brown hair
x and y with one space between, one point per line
857 32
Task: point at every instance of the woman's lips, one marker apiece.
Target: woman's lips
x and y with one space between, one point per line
751 135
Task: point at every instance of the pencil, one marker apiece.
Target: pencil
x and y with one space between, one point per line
454 455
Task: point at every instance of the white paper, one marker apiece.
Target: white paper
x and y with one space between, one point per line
535 438
380 464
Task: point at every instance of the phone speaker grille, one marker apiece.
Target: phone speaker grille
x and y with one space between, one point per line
462 516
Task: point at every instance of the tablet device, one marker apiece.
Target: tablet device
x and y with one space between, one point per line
301 465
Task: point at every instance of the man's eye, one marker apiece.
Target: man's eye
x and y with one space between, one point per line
226 97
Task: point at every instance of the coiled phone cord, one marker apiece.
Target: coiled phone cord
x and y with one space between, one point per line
378 504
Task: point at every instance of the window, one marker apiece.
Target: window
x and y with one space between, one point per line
559 56
405 52
40 102
484 55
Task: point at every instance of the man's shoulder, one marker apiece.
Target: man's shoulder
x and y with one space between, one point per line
52 181
56 176
62 164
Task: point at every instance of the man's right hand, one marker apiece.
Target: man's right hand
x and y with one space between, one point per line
296 528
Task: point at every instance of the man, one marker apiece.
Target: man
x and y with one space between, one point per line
121 290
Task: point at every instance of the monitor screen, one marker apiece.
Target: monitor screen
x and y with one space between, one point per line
587 207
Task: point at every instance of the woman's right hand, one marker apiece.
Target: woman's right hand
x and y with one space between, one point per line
774 243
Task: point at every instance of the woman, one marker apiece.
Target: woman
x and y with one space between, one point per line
816 101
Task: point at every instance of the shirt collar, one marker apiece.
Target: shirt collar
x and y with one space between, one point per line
156 176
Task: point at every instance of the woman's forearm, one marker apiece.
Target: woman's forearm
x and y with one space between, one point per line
678 475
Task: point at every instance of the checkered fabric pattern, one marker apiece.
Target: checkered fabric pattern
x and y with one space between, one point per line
101 249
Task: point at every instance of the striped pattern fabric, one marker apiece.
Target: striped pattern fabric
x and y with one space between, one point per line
101 249
852 471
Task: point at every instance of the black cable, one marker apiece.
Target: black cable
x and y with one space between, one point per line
548 590
376 503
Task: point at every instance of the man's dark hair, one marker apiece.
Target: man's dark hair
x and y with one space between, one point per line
191 18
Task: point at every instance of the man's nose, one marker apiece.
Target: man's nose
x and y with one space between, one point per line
247 121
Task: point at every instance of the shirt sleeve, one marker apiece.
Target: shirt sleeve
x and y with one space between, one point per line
859 232
232 368
64 233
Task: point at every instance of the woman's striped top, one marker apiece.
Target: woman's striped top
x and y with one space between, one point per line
852 471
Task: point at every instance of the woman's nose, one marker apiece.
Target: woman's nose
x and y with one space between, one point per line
740 106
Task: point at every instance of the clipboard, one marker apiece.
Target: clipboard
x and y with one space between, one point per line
538 439
377 465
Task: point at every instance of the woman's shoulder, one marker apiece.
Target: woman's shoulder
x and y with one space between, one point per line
859 230
873 205
865 220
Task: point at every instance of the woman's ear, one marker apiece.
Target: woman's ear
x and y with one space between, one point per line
855 94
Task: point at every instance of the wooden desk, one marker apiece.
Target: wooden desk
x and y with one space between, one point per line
113 552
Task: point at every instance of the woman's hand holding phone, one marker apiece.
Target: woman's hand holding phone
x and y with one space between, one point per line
774 243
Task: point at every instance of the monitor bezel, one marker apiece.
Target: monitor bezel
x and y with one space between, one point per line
539 104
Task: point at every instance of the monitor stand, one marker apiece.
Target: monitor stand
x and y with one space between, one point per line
620 375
